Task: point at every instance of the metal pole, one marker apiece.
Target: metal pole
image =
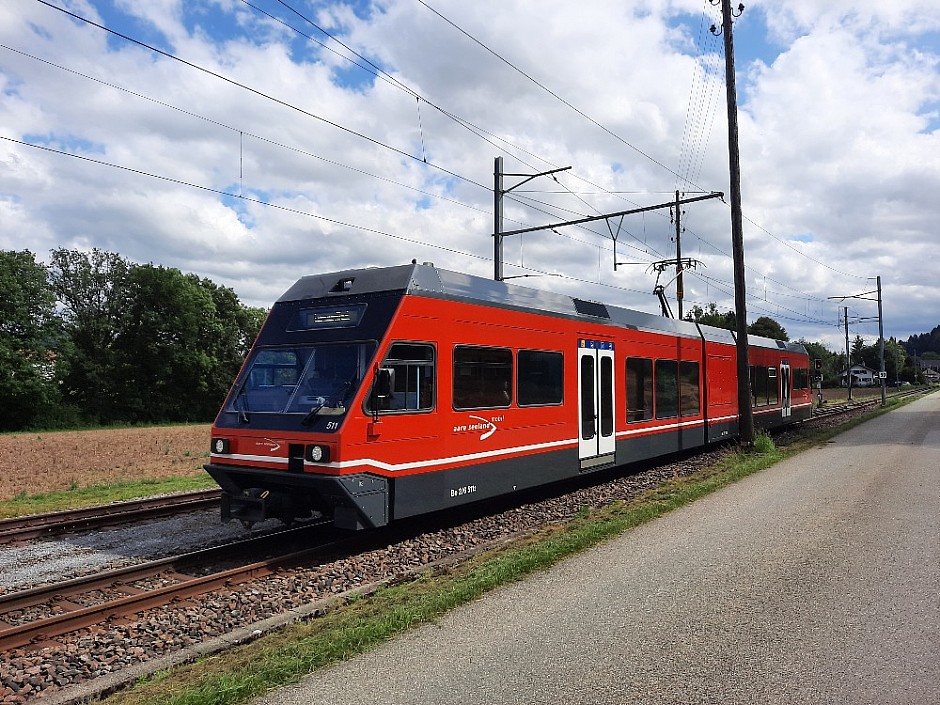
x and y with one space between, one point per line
746 413
881 341
498 219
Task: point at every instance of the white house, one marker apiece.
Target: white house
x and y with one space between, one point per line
861 376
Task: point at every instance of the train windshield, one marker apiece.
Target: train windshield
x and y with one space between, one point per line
310 380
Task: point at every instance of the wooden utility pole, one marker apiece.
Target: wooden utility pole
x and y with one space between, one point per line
881 346
848 354
745 412
680 290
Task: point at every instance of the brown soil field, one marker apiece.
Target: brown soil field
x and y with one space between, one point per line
37 463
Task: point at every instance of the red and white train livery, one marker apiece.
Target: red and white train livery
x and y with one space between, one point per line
376 394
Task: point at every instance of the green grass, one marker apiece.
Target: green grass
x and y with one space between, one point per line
77 497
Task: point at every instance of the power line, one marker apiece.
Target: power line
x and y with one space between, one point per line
472 128
549 90
257 92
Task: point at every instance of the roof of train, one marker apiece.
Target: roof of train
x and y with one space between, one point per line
428 280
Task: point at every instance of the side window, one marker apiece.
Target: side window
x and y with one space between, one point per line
639 389
764 385
412 379
689 389
800 378
482 377
540 379
758 386
667 389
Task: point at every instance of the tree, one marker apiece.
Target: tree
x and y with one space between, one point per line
181 344
924 344
858 347
712 317
768 328
28 327
90 287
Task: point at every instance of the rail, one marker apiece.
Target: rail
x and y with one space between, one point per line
53 523
29 618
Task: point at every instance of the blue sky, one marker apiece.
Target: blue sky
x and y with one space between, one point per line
302 162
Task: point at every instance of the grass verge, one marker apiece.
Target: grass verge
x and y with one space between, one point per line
79 497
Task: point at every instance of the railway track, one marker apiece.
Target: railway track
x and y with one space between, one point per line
41 525
35 617
32 618
829 410
126 648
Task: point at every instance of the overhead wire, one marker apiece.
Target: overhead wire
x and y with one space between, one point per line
379 71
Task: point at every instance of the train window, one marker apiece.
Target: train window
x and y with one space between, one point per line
667 389
773 389
758 386
588 411
300 379
540 378
764 385
412 379
639 389
800 378
607 396
689 389
482 377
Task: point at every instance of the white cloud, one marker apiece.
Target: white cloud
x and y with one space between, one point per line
838 122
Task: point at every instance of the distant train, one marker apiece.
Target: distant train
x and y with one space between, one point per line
375 394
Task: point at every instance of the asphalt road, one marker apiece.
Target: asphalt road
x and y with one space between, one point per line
817 581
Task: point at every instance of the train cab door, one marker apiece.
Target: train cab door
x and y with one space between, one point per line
785 389
596 436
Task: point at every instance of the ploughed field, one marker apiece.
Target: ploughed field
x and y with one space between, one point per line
39 463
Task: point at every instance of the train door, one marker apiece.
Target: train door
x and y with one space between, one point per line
785 389
596 437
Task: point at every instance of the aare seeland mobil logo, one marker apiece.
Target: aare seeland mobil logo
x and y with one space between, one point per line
486 427
268 445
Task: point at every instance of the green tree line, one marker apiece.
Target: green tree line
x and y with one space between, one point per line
93 339
898 365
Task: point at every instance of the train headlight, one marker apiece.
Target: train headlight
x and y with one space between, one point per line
318 454
221 446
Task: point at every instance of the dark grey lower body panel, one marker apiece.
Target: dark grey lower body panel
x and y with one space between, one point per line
365 500
442 489
255 494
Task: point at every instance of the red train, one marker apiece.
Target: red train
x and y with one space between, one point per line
376 394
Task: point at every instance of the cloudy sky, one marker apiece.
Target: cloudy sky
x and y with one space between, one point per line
254 141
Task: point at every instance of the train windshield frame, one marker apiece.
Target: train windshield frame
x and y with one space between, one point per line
302 380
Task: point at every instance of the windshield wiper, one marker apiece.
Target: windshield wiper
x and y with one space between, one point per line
308 419
243 412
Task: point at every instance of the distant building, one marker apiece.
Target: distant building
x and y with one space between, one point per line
861 376
930 369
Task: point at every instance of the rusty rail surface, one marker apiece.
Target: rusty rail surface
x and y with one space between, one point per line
78 603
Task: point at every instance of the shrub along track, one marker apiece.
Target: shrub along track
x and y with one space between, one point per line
89 663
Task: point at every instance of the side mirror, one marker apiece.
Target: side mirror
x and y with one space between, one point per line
384 382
